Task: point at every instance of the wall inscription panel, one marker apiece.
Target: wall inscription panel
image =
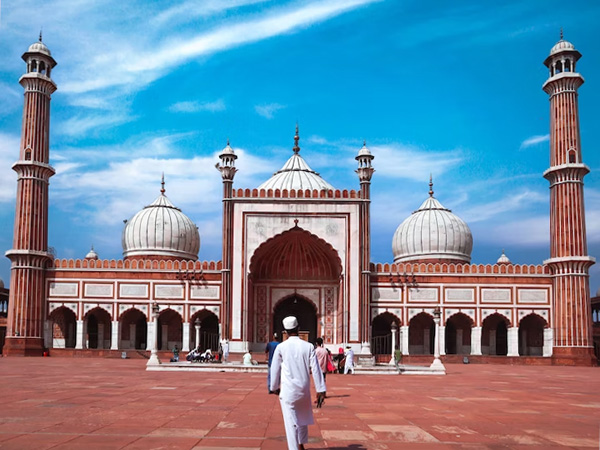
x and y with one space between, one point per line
422 295
204 292
63 289
98 290
168 291
460 295
133 290
495 296
532 296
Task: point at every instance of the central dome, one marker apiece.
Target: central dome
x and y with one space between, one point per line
432 233
161 231
296 174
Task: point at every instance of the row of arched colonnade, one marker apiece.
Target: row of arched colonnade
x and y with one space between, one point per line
133 330
460 336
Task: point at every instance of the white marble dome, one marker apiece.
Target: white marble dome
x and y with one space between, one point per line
432 233
39 47
161 230
296 174
561 46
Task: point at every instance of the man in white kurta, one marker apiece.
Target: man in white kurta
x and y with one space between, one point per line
349 366
290 373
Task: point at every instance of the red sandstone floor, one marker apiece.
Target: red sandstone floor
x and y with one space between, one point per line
64 403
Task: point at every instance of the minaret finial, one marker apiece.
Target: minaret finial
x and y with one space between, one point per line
430 185
364 142
296 139
227 142
561 33
40 34
162 184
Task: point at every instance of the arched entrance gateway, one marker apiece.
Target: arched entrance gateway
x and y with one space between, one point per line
294 273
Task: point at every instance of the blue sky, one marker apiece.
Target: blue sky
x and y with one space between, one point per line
448 88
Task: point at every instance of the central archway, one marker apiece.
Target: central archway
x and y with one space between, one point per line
303 310
294 273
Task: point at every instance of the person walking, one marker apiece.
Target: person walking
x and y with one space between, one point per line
225 347
322 356
292 364
269 351
349 366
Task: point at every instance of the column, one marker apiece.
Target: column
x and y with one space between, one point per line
548 340
79 335
404 339
476 341
48 333
513 341
394 328
114 338
197 325
149 335
185 336
442 331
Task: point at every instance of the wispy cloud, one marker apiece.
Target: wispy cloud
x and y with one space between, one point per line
512 203
9 152
194 106
405 161
83 124
534 140
139 65
268 111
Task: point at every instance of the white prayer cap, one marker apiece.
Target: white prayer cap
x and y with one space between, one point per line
290 322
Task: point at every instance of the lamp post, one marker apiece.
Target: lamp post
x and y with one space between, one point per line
437 363
197 325
154 361
394 330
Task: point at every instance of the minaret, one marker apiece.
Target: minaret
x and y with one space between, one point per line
365 172
29 255
228 170
569 261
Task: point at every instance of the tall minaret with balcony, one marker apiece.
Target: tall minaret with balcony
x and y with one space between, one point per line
228 170
29 255
365 172
569 261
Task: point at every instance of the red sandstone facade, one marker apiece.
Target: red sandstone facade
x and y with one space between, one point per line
307 252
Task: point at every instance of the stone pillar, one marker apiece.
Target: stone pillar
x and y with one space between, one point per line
476 341
149 335
114 338
442 331
197 326
493 342
185 333
548 340
404 339
513 341
394 329
79 335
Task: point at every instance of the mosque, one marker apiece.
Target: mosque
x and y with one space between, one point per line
298 245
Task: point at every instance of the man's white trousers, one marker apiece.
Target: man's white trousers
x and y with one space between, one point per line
296 434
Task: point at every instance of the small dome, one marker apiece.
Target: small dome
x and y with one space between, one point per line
39 47
364 151
503 259
597 292
91 254
560 46
432 233
161 230
296 174
227 150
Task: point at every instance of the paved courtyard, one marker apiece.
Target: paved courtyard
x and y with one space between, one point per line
64 403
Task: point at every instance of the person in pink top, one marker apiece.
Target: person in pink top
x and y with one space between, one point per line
322 356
